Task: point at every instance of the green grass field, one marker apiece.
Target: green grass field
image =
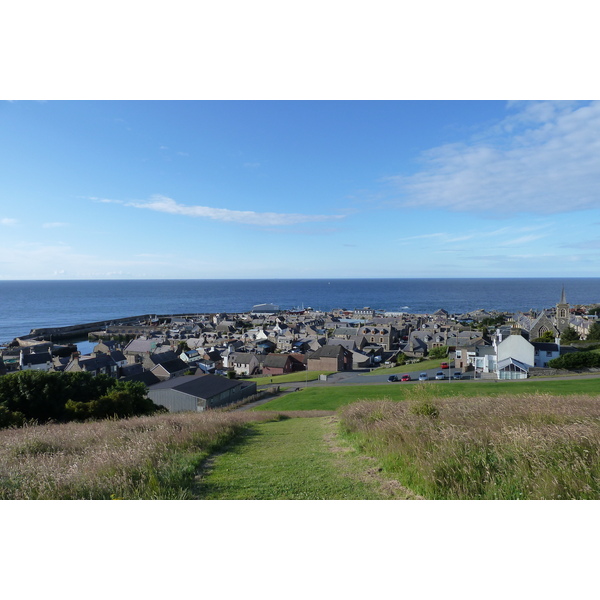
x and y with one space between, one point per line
412 368
287 460
290 378
332 397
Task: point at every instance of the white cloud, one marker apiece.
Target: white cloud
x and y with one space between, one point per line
526 239
105 200
8 222
542 159
53 225
247 217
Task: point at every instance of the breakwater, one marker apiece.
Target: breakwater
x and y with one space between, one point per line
53 334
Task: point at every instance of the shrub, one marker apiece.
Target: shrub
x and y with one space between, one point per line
576 360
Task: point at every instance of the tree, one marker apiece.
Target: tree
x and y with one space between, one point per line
440 352
569 335
594 332
548 336
40 396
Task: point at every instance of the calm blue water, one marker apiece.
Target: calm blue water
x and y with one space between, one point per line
28 304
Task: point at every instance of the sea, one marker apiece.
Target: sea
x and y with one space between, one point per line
25 305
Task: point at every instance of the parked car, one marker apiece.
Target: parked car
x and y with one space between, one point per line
405 377
444 365
439 375
423 376
457 375
392 378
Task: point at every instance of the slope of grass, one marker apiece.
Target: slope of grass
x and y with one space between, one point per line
140 458
287 460
333 397
508 447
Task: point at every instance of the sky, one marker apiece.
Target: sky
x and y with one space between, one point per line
298 189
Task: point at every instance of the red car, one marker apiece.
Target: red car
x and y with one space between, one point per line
444 366
405 378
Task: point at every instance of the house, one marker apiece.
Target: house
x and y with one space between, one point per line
514 357
170 369
35 361
138 373
139 349
545 352
330 358
199 392
102 364
280 364
244 363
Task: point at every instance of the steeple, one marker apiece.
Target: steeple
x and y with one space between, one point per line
562 312
563 298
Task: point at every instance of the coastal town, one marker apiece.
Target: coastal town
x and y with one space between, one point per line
194 362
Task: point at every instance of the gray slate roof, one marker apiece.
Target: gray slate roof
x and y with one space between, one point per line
199 386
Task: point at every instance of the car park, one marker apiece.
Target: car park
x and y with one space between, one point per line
405 377
423 377
439 375
392 378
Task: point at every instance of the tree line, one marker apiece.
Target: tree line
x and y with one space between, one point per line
40 397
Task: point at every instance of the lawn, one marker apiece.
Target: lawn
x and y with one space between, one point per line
409 368
290 378
332 397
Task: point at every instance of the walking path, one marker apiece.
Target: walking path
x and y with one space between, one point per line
294 459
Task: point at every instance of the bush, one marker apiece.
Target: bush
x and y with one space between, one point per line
576 360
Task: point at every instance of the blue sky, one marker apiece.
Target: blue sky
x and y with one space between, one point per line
288 189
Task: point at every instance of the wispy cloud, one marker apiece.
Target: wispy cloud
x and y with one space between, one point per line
542 158
168 205
8 222
525 239
105 200
54 225
584 245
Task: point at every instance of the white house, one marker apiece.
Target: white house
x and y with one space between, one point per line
545 352
514 357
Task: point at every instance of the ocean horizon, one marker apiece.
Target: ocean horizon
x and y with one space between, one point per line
27 304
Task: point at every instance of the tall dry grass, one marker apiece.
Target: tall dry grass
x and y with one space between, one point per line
137 458
510 447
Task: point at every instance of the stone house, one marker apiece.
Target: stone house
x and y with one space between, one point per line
280 364
330 358
243 363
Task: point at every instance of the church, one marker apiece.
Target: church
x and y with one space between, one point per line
556 324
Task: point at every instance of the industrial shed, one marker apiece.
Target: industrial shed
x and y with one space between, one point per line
199 392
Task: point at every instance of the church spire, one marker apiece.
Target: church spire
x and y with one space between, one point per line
563 298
